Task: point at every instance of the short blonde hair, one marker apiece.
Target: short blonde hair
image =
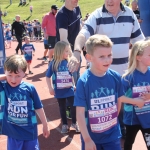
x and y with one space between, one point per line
97 41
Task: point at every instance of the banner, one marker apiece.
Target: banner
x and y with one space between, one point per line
2 48
144 7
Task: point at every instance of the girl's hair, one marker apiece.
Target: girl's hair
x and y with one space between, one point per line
59 53
137 50
14 63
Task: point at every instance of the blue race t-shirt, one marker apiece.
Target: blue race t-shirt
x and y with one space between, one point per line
134 85
19 117
69 20
2 102
99 96
8 35
28 49
62 80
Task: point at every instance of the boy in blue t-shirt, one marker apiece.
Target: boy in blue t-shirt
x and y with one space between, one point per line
21 105
98 98
28 50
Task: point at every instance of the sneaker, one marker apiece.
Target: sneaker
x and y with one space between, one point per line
44 58
65 129
30 72
75 126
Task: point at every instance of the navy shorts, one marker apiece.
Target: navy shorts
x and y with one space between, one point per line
51 41
114 145
14 144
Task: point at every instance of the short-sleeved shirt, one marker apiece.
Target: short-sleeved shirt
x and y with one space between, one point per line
2 102
28 49
134 115
122 30
69 20
8 35
57 78
19 116
100 94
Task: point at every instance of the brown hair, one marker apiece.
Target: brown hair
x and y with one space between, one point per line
14 63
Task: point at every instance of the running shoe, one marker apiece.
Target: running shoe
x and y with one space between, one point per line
76 127
65 129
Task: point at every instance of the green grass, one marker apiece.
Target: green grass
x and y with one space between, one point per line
41 7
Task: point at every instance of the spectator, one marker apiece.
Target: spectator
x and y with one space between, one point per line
18 28
49 23
136 11
68 25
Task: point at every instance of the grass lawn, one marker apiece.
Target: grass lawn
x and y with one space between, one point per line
40 7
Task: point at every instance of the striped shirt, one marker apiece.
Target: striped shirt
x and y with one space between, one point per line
122 30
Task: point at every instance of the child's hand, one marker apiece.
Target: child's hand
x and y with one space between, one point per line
74 88
139 102
146 96
90 145
52 92
46 131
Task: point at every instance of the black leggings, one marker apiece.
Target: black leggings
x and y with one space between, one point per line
19 46
131 132
62 108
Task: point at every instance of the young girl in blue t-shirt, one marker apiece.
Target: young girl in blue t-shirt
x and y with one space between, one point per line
63 84
136 83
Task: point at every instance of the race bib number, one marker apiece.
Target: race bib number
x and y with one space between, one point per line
137 92
64 80
104 119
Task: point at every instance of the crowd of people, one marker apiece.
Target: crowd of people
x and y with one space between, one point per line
108 102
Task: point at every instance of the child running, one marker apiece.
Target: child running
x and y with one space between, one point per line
136 83
8 37
28 50
98 98
21 104
63 83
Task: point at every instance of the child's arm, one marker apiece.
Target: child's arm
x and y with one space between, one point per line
2 77
136 101
42 117
49 84
74 86
89 144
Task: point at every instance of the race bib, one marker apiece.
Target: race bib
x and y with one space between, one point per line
137 92
104 119
64 80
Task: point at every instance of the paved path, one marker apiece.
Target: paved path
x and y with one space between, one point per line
56 141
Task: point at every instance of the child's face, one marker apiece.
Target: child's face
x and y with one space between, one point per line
27 40
101 59
66 52
145 58
14 79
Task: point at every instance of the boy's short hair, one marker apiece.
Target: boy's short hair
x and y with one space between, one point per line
97 41
14 63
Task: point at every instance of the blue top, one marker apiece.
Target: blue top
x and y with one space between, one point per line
100 94
62 88
19 116
28 49
8 35
2 101
69 20
132 114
